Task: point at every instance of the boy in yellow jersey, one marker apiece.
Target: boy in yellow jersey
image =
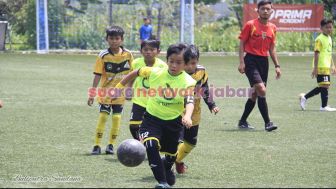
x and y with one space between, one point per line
149 50
171 92
189 136
111 66
321 67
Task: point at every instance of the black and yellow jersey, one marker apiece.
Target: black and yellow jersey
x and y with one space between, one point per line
112 68
202 91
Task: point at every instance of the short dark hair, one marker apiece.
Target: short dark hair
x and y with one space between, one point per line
264 2
176 49
151 43
326 21
190 53
115 31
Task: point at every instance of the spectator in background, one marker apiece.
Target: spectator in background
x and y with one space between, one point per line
146 30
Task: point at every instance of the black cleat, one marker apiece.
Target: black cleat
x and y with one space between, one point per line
170 174
244 125
96 150
109 149
270 126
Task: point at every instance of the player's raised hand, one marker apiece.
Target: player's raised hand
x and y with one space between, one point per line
215 110
186 121
241 68
314 73
90 101
278 73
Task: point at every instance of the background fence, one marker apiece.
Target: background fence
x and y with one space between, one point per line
72 26
81 24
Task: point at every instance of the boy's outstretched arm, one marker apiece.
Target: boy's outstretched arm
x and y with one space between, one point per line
128 78
95 83
209 100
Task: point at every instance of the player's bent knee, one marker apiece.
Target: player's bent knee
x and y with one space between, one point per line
261 91
152 144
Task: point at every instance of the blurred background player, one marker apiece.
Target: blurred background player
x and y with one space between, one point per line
111 65
321 66
150 49
146 30
162 124
257 40
189 136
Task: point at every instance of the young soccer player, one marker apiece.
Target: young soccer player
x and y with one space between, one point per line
172 92
149 50
321 67
189 136
111 66
257 39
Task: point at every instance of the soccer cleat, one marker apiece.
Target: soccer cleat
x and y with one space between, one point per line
180 167
162 185
303 101
109 149
327 109
170 175
244 125
96 150
270 126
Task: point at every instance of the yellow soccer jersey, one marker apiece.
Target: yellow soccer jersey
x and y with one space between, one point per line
202 91
323 45
141 84
167 101
112 68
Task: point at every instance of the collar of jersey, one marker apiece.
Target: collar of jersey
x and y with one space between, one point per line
122 50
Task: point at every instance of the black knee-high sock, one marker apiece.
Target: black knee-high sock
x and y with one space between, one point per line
170 160
248 109
134 128
313 92
155 162
324 96
262 105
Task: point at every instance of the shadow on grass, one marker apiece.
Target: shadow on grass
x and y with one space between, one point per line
113 160
309 110
239 130
89 154
147 179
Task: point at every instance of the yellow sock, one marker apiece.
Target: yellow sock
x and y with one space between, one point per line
116 118
183 150
100 128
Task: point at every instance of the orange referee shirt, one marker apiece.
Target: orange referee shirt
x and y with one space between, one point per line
258 37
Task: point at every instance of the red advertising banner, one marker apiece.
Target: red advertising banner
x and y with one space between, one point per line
287 17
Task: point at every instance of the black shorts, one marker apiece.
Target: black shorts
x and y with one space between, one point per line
137 113
108 108
256 68
189 135
166 131
323 79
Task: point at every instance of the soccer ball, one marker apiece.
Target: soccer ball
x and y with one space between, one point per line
131 152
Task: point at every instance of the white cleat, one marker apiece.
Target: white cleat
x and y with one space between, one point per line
302 101
327 109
